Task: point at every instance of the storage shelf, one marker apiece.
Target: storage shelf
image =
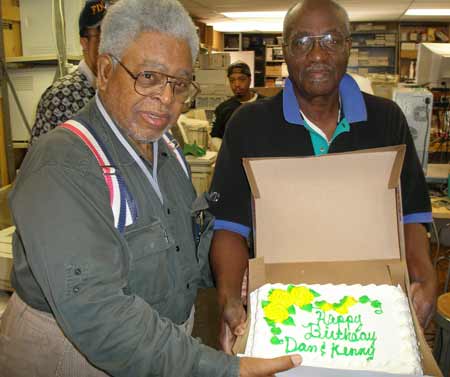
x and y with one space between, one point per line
275 61
374 32
276 76
371 66
389 46
20 144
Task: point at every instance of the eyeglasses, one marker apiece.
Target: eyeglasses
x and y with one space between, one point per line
331 42
152 83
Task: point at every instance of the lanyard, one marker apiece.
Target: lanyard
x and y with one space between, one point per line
152 178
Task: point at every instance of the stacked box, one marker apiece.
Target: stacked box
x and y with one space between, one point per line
273 70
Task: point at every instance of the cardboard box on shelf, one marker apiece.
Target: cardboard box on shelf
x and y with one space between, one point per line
273 70
408 54
360 214
408 46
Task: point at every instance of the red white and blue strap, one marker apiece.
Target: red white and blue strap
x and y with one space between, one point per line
122 204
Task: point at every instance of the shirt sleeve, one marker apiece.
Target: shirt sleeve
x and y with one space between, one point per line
415 197
46 118
80 261
230 181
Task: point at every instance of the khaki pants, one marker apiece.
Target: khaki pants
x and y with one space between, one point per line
32 345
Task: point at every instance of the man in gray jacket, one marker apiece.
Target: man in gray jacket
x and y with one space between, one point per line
110 244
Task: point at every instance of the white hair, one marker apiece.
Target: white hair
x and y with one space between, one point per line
126 19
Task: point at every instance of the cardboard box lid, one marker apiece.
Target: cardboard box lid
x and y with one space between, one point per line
336 207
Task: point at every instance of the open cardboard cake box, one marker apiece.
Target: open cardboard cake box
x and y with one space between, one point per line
330 219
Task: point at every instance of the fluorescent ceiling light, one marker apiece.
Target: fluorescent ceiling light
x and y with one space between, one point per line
277 14
428 12
231 26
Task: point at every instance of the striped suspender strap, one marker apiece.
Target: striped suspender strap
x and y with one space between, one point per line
122 203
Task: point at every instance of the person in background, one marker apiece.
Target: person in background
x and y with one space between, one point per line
240 77
111 244
320 110
70 93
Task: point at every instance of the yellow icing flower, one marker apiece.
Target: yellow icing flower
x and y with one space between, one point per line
326 307
276 312
301 296
350 301
281 297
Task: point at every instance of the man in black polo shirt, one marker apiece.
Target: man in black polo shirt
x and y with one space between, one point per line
321 110
239 76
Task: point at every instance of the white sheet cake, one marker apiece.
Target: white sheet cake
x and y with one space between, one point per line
335 326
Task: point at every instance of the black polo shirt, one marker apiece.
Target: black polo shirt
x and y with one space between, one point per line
274 127
223 113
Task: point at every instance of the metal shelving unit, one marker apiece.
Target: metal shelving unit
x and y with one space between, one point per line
8 159
60 60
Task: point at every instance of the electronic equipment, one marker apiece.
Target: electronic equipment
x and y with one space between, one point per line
36 24
417 105
433 64
190 131
29 85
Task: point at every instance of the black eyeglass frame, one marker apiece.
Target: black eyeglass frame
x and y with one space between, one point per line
320 40
169 79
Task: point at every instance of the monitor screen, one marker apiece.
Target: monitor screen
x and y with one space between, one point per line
433 64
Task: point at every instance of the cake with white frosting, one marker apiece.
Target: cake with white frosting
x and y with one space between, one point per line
335 326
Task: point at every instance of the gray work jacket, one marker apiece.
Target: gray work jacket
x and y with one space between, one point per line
117 297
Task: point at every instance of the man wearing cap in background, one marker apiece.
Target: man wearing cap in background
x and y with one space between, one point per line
70 93
239 76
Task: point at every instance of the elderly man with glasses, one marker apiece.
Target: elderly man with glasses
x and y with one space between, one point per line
321 110
111 243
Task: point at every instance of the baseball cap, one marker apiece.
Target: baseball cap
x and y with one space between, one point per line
91 15
238 67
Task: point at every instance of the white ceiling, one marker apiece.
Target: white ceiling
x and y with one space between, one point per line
359 10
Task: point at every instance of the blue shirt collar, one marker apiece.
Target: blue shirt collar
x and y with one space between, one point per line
352 99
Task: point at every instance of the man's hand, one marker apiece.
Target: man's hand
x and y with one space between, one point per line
232 324
422 275
423 296
252 367
229 262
